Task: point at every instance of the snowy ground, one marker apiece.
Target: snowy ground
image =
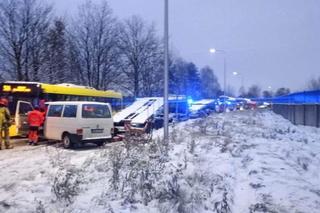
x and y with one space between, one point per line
238 162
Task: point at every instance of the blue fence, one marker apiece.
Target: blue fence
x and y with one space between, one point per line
306 97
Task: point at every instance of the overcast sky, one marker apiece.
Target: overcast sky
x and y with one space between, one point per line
270 42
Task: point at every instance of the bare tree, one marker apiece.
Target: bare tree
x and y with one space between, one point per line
314 84
254 91
94 45
140 54
23 26
230 91
267 94
282 91
242 92
209 82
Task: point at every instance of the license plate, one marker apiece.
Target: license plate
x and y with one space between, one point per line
96 130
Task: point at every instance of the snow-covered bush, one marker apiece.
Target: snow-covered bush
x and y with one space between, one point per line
66 184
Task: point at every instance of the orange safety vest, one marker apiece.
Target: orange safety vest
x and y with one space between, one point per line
35 118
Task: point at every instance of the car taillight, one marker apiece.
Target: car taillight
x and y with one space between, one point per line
79 131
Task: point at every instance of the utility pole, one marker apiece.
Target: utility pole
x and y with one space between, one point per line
166 70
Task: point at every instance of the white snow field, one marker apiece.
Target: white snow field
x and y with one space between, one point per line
240 162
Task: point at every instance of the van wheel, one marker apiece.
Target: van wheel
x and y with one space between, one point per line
67 141
100 143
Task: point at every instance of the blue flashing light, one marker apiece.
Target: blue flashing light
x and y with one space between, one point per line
190 101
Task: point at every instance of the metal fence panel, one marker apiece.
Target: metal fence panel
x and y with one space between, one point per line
311 115
318 116
300 114
291 114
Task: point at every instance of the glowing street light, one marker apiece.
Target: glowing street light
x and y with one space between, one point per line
212 50
241 75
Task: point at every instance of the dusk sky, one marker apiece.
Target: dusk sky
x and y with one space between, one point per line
270 42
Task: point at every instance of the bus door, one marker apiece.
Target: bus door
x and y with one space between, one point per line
21 117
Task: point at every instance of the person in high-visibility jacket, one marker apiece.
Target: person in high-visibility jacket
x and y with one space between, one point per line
35 120
5 122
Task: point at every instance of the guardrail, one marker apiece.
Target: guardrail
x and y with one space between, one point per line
299 114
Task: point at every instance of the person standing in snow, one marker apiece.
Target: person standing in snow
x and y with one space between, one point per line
35 120
4 124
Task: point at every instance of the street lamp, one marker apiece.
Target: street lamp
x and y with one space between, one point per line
241 75
214 51
166 70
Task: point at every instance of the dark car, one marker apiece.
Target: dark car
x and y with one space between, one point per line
225 103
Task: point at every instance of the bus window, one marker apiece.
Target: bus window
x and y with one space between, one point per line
116 103
82 98
24 108
53 97
73 98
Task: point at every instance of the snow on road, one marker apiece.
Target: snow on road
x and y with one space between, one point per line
237 162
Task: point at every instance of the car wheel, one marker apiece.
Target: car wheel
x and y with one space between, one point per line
67 141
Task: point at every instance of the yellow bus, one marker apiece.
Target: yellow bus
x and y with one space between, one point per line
22 96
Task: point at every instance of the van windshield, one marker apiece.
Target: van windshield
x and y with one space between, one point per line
95 111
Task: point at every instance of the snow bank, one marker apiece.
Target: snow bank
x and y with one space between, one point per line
237 162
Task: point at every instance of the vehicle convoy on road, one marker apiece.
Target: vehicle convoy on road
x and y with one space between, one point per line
147 109
201 108
76 122
225 103
61 99
23 95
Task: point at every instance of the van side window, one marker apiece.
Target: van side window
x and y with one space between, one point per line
95 111
70 111
55 111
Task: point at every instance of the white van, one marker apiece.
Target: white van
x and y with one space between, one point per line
78 122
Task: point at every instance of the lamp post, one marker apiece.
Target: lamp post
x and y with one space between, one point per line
241 75
214 51
166 70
